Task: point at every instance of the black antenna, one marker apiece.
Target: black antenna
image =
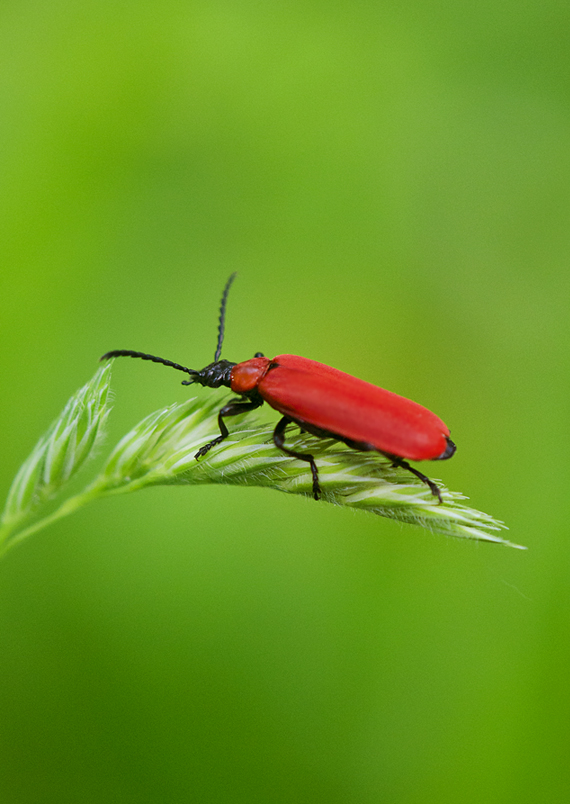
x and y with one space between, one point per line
222 323
143 356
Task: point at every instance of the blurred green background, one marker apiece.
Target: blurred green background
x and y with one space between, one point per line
392 183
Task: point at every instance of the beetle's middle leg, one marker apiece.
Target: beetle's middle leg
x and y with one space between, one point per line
279 441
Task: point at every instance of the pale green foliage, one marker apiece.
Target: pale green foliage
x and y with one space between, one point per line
61 452
160 450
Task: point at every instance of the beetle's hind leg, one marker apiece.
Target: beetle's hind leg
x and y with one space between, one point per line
405 465
279 441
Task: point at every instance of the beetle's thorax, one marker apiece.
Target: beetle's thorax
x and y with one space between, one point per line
215 374
246 376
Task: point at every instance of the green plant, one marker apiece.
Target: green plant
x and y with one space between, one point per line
160 450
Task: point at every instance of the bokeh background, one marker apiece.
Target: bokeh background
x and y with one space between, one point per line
392 183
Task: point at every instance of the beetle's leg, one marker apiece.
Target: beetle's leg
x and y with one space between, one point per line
405 465
233 408
279 441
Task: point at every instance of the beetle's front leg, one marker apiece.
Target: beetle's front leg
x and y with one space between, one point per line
233 408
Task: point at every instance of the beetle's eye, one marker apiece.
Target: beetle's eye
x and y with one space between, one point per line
259 354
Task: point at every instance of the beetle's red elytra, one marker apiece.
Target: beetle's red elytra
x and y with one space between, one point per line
314 394
323 401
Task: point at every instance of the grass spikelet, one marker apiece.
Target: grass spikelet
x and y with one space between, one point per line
161 450
60 453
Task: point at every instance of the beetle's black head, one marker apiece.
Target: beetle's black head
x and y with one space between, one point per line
214 375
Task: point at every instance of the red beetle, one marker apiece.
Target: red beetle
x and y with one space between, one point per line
323 401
